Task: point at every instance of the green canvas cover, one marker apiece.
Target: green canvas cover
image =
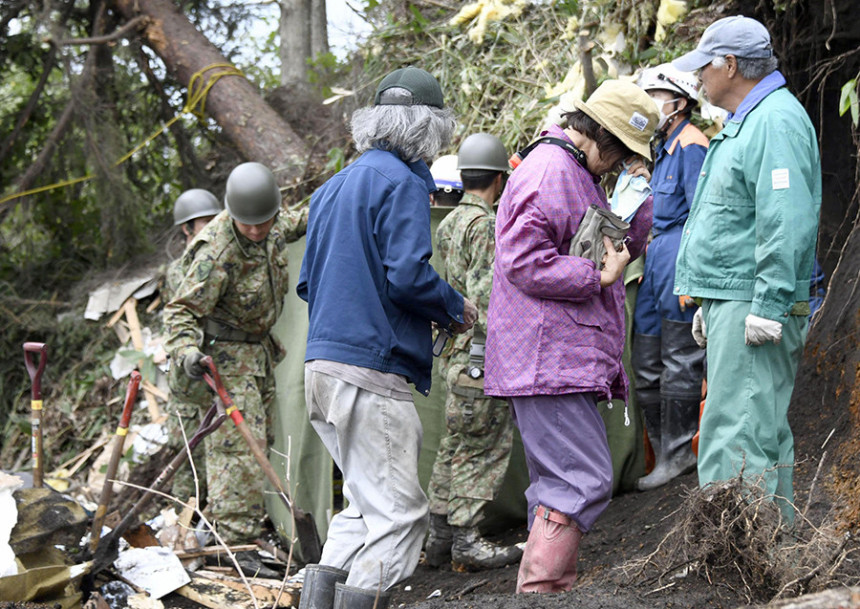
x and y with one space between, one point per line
311 468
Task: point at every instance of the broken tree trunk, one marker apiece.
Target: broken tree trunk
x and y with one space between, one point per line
250 123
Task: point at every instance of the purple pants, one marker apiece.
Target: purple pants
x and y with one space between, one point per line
567 454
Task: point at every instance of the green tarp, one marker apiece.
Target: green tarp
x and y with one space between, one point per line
311 467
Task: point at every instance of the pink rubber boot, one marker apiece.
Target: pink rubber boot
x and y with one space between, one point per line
552 549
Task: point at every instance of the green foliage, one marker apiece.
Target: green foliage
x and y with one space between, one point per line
848 101
336 160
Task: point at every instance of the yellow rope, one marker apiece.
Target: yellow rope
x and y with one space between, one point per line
198 89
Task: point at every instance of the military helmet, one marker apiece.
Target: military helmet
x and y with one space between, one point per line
252 195
195 203
445 173
483 151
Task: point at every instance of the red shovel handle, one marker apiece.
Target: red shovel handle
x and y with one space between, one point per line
130 398
213 379
35 371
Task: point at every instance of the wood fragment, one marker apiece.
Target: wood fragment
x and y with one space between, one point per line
154 304
212 550
130 308
265 590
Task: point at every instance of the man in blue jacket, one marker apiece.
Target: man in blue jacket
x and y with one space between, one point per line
747 252
372 297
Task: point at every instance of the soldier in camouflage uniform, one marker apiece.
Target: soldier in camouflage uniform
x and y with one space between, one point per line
225 307
192 211
474 453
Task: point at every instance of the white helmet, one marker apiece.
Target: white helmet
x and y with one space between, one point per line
445 173
669 78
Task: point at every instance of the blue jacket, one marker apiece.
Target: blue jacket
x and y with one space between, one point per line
366 273
753 225
676 172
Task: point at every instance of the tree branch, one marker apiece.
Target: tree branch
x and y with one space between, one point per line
24 117
135 24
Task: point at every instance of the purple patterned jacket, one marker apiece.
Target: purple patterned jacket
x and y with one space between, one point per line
552 329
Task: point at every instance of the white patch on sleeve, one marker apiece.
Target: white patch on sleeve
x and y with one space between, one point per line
779 178
638 121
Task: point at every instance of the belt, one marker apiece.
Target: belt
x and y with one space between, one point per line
215 330
548 514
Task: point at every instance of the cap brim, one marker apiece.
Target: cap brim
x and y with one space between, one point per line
631 143
692 61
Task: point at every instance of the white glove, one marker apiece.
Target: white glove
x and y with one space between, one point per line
760 330
700 332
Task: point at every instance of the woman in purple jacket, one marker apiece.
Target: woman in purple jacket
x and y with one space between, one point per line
556 322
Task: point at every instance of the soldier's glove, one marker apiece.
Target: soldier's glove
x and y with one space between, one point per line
700 332
191 364
760 330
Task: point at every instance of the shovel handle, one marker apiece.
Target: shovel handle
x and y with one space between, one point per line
35 371
305 526
116 455
213 379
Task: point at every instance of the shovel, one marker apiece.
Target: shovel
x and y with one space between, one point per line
306 528
35 371
116 454
108 547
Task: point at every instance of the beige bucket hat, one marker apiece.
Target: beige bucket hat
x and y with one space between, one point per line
626 111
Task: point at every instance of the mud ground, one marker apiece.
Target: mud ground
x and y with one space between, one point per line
631 528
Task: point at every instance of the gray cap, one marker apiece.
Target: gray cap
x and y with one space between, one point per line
739 36
412 87
195 203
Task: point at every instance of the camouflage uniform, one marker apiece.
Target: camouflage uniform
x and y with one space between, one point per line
187 398
231 296
473 455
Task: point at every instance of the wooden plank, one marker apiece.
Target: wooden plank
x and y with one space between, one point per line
215 595
131 317
266 591
116 316
154 304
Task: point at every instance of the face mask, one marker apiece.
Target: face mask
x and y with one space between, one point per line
664 118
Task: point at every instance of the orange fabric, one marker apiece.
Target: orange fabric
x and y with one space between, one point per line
690 134
701 410
650 459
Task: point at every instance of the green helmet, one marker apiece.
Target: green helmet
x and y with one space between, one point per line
252 195
483 151
195 203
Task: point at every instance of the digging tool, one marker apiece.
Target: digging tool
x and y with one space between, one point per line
306 528
35 371
107 549
115 456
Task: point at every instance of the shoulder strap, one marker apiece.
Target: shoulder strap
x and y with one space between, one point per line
577 154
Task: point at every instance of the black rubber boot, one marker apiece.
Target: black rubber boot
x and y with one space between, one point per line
680 421
437 549
349 597
471 551
647 370
680 389
318 587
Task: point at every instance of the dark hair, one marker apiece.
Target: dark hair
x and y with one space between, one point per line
608 145
477 179
447 199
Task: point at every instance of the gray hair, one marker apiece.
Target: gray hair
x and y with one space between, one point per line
751 68
414 132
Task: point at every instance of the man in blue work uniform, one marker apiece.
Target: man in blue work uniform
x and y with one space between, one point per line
747 251
667 363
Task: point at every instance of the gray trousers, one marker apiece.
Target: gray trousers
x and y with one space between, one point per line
375 441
